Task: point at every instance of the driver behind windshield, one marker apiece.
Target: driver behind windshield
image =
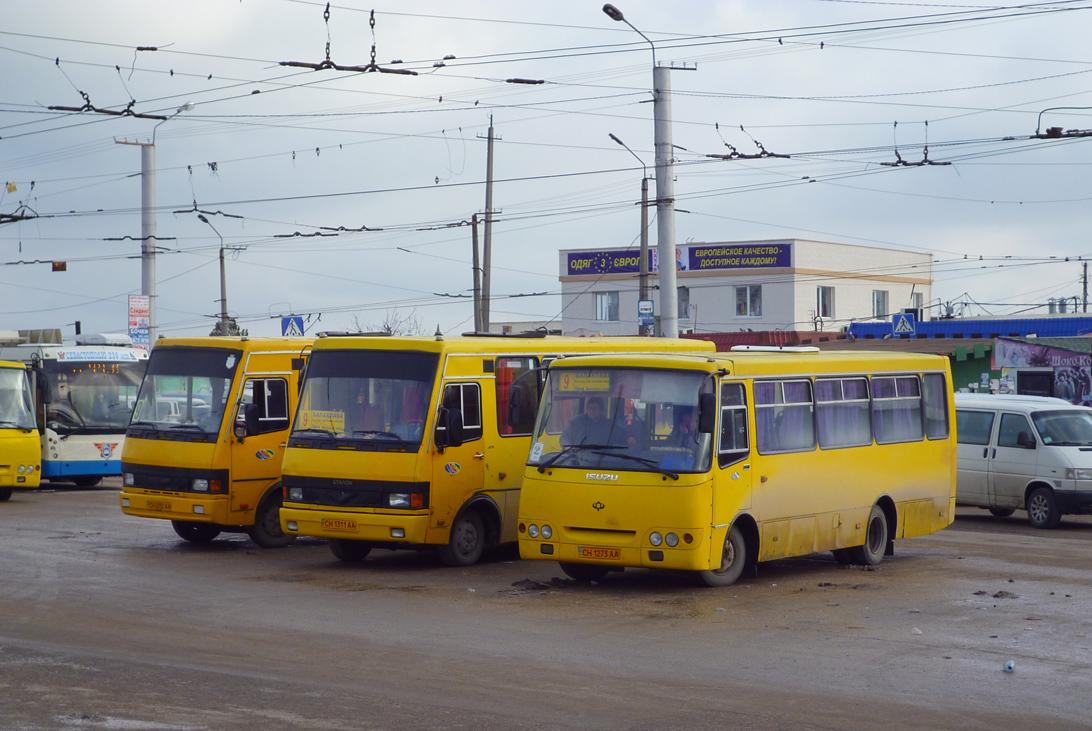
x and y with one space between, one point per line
590 427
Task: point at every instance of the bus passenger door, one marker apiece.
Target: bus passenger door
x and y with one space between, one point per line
458 472
732 480
256 459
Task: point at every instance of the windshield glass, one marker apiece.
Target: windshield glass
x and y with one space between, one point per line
622 419
91 395
360 395
16 400
1066 428
186 388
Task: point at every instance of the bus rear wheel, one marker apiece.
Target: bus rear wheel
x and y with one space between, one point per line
871 553
733 559
349 551
5 494
467 541
195 532
266 531
87 481
584 571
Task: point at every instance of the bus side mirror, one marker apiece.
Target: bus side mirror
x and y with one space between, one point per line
1025 440
247 426
707 413
449 430
45 393
515 405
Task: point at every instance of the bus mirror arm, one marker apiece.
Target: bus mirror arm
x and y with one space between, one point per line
707 413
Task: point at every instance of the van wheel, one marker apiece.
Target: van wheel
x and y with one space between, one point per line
5 494
1042 509
733 559
349 551
467 541
871 553
195 532
584 571
1002 512
266 531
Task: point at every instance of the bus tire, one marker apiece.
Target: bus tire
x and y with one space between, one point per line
1043 509
5 494
86 481
584 571
195 532
732 561
1002 512
266 531
467 541
871 553
349 551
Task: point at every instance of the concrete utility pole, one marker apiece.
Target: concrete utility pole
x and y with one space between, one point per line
223 278
665 186
487 250
477 276
1085 287
643 277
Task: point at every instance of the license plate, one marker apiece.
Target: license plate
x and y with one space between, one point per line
163 505
338 524
610 554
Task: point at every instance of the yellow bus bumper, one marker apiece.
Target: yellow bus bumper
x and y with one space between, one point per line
693 557
352 526
178 506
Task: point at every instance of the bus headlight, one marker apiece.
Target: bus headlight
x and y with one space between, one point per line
200 484
547 532
399 500
672 540
655 539
127 479
532 530
22 469
295 493
1071 474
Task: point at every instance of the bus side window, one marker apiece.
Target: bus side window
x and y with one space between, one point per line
784 416
270 396
734 443
507 370
896 409
467 398
936 406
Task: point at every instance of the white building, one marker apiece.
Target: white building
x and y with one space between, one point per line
788 284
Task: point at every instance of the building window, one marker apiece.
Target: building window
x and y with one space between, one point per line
917 301
606 307
684 303
749 301
879 304
824 302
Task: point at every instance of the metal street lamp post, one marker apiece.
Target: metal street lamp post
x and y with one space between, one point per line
223 279
643 279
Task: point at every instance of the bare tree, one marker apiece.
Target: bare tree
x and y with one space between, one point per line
232 328
394 323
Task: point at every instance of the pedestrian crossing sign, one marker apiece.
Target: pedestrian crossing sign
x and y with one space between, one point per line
292 325
903 324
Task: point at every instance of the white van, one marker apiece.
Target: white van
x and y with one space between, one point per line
1028 452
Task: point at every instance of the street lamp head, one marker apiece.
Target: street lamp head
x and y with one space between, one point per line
185 107
201 217
611 135
613 13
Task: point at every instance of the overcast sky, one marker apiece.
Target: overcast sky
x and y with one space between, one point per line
268 151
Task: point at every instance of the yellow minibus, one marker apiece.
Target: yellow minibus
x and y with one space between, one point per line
736 458
404 442
20 449
204 446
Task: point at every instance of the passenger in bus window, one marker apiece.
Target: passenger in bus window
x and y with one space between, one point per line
683 433
590 427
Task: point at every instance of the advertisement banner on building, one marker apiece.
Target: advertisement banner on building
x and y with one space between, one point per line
697 257
140 320
1014 354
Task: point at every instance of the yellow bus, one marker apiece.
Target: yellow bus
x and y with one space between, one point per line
737 458
204 446
20 450
404 442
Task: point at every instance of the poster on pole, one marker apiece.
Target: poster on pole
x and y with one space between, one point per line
140 321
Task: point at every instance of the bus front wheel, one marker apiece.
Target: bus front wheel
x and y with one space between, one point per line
195 532
467 541
349 551
584 571
871 553
5 494
266 531
733 559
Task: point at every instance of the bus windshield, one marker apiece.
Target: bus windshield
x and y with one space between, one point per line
1064 428
16 400
377 396
186 388
622 419
91 396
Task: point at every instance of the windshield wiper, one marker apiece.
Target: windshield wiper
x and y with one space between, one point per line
325 432
575 448
198 427
645 461
15 424
378 433
145 423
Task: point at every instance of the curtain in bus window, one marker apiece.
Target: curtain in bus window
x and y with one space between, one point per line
783 416
897 409
842 413
936 406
